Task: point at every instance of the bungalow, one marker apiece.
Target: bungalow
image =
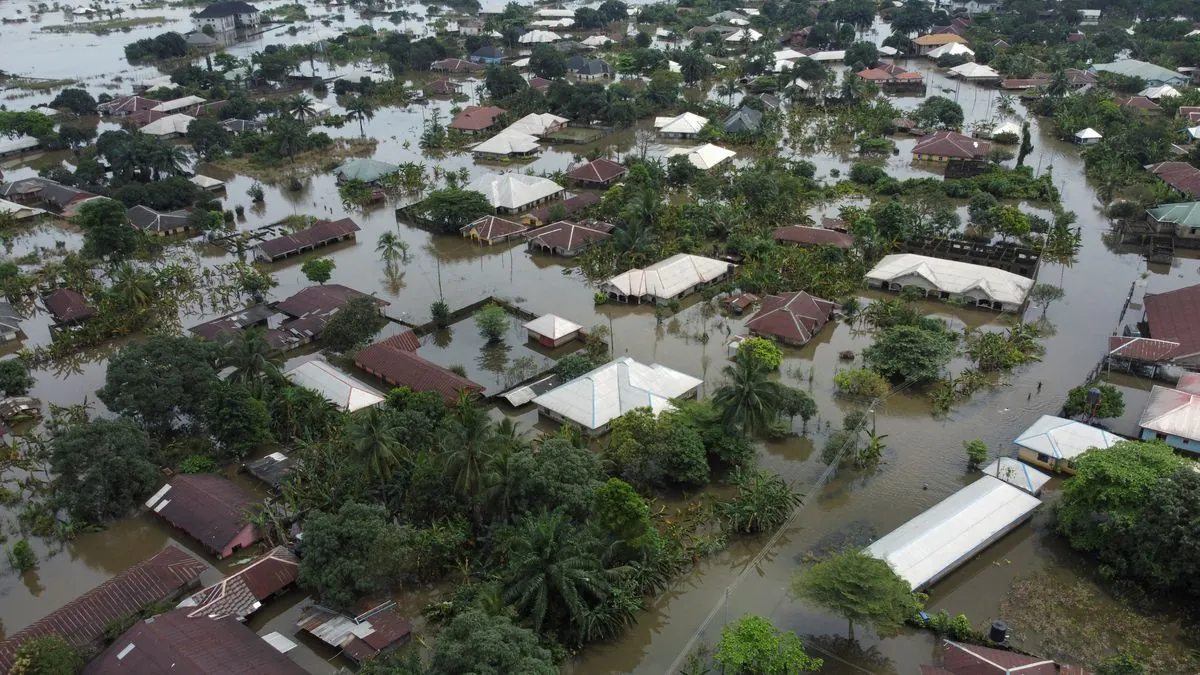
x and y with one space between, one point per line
964 659
119 107
323 233
538 124
346 393
515 192
1137 103
38 190
68 306
492 229
176 105
704 157
227 16
589 69
456 66
159 224
744 120
791 318
949 146
12 147
666 280
1088 136
83 622
686 125
10 322
364 169
566 238
1173 415
550 330
597 173
19 211
396 362
1179 175
207 183
802 235
443 88
487 54
359 637
1053 443
540 83
308 312
171 126
211 509
1150 73
977 285
974 72
507 145
551 212
1170 317
477 119
255 316
927 43
242 593
1181 220
592 401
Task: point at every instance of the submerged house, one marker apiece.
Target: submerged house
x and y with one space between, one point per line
396 362
477 119
1173 415
68 306
364 169
309 310
687 125
597 173
791 318
227 16
1053 443
669 279
566 238
43 191
802 235
980 286
507 145
950 146
322 233
1180 220
1171 317
551 330
273 469
515 192
964 659
10 322
159 224
359 637
242 593
492 230
593 400
347 393
211 509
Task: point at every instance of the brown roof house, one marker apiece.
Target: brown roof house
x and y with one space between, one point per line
309 310
551 212
566 238
178 644
68 306
241 594
443 87
43 191
456 66
812 236
127 104
1138 103
255 316
597 173
1174 316
83 621
950 146
961 659
1179 175
157 223
492 229
212 509
375 631
322 233
396 362
791 318
477 119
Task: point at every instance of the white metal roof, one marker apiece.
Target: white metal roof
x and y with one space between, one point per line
344 391
1017 473
19 211
1161 91
171 124
1062 438
888 51
1009 127
1172 412
8 145
565 22
279 642
556 13
744 35
539 36
206 182
956 528
552 326
536 124
668 278
513 190
177 103
953 276
829 55
687 123
507 142
704 157
974 71
787 55
596 398
950 49
1088 133
597 40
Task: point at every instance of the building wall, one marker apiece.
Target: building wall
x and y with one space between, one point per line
1177 442
244 539
219 24
1045 462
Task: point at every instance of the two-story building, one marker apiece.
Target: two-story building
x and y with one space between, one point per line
223 17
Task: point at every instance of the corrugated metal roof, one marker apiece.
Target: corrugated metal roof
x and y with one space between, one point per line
1016 473
1172 412
241 594
1062 438
597 397
552 326
210 508
668 278
953 276
344 391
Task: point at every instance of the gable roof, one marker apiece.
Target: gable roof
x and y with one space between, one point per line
668 278
513 190
488 52
66 305
794 317
686 123
359 637
953 276
951 144
705 156
1140 69
365 169
1062 438
147 219
127 104
1186 214
240 594
813 236
934 39
223 9
457 66
537 124
488 228
597 171
1175 412
1175 316
46 190
208 507
743 119
1136 103
273 469
319 233
962 659
1179 175
394 363
567 235
171 124
475 118
507 142
83 620
567 206
174 643
345 392
605 393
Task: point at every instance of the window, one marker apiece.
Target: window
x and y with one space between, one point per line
1044 459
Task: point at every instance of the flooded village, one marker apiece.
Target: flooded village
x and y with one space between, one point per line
767 337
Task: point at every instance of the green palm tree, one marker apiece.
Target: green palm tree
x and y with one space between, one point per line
253 360
358 108
289 137
632 244
373 438
132 289
466 448
299 107
391 249
500 484
551 578
749 401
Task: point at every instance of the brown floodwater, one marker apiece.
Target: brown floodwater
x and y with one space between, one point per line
923 463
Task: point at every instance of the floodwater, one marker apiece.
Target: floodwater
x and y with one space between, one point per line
923 463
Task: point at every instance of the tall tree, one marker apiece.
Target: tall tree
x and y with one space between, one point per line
103 468
348 555
237 421
861 588
752 646
466 446
160 382
360 110
299 107
477 643
372 437
253 360
749 400
106 230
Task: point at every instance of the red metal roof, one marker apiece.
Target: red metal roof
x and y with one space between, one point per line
476 118
597 171
567 236
403 368
1140 349
380 629
174 643
961 659
408 341
1024 83
793 317
210 508
66 305
1175 316
443 87
320 233
813 236
951 144
239 594
1137 103
490 228
84 620
539 83
1179 175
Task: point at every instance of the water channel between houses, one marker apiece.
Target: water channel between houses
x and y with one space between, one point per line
924 461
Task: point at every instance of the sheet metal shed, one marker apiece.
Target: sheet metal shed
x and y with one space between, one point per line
930 546
1062 438
347 393
1014 472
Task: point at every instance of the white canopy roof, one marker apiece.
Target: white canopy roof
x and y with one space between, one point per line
1161 91
974 71
668 278
538 36
952 276
513 190
536 124
178 103
687 123
929 546
674 67
1009 127
556 13
828 56
507 142
171 124
661 32
704 157
597 40
950 49
888 51
521 63
206 182
565 22
787 54
1018 474
596 398
744 35
1062 438
1088 133
1173 412
552 326
347 393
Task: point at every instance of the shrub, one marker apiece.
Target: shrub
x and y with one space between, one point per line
46 656
197 464
977 452
492 322
761 351
862 382
21 556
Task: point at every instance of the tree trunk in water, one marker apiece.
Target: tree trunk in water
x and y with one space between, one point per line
851 622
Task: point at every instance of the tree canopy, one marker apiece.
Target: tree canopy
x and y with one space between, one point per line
860 588
475 643
752 646
449 209
348 555
103 468
911 353
162 382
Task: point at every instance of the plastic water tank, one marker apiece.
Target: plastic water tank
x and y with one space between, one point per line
999 632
